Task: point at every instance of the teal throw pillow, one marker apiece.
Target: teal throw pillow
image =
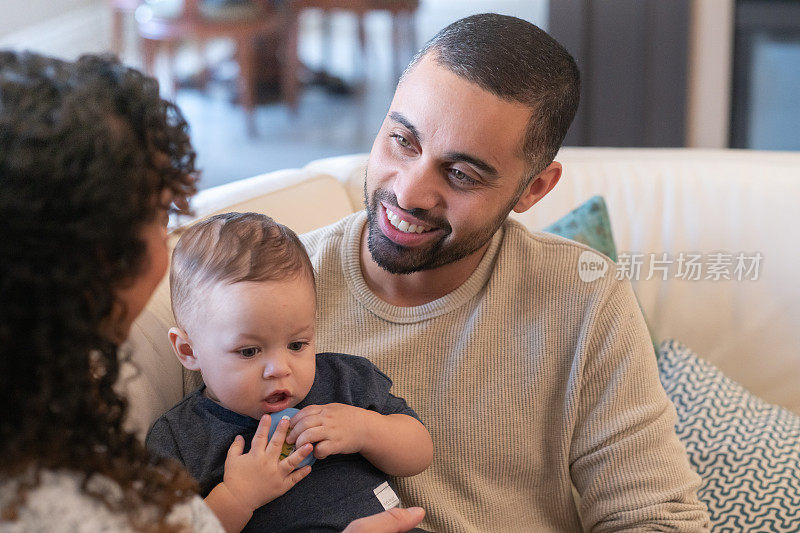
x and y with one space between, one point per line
588 224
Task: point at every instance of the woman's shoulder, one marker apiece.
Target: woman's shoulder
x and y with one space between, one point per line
58 503
195 512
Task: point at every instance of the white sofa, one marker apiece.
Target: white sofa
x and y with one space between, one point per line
660 201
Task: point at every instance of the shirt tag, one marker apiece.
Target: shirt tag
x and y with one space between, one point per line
386 496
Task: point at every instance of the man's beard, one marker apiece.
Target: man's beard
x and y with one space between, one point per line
397 259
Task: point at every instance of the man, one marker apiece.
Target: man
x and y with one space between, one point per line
530 381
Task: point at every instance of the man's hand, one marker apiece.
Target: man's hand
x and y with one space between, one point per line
332 428
392 521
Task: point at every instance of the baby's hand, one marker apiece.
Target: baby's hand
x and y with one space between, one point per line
259 476
332 428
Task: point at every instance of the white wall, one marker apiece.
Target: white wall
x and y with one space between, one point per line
18 14
710 67
61 28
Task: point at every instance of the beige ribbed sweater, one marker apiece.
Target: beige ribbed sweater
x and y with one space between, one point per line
529 380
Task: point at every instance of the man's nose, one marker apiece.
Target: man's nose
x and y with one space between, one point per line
416 186
276 366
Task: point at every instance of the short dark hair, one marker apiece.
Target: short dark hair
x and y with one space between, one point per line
518 61
232 248
86 150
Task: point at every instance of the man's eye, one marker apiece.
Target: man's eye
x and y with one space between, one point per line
249 352
297 346
461 178
401 140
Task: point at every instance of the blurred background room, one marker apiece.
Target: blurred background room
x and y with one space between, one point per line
271 84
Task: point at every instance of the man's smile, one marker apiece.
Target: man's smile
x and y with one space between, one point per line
402 222
403 229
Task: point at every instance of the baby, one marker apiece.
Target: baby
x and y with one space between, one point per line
244 300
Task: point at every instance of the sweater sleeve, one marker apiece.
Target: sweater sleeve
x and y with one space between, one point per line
626 462
59 503
196 513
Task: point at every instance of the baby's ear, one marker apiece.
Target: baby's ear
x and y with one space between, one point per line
183 348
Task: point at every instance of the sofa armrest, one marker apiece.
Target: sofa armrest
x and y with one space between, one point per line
349 171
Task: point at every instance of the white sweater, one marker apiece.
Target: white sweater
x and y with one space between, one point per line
529 380
57 504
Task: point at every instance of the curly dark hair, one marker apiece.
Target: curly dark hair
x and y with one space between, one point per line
86 150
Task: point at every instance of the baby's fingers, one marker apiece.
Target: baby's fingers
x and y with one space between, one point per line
275 444
297 475
236 448
296 457
312 435
308 417
262 433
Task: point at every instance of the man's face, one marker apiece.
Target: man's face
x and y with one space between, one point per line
254 344
444 170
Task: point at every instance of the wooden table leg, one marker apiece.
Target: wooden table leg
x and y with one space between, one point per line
245 54
290 70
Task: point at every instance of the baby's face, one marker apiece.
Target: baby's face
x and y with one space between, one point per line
254 343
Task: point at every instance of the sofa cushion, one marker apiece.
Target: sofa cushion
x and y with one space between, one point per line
746 450
302 199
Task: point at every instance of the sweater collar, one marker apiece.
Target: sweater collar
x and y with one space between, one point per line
351 267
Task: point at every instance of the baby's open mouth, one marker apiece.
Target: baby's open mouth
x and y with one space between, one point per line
277 397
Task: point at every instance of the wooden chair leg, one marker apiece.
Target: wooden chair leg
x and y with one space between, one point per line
290 66
245 53
149 51
205 73
117 22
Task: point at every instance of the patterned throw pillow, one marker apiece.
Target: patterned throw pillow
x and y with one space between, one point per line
746 450
588 224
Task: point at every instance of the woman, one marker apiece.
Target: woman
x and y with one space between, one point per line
91 160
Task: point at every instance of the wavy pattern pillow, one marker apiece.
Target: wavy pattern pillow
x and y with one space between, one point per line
746 450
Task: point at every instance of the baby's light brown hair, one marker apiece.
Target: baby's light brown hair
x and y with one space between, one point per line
231 248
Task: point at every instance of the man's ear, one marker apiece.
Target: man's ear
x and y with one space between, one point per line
183 348
539 186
